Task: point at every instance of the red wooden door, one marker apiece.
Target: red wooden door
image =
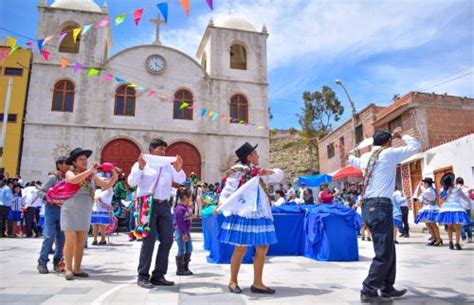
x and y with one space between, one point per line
122 152
191 157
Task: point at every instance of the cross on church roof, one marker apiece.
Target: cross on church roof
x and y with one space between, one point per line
158 22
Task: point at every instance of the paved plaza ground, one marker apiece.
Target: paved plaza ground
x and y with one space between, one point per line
432 276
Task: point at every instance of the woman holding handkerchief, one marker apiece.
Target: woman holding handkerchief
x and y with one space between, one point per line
154 175
248 216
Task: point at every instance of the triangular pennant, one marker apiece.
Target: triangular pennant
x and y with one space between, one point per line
183 106
141 88
11 42
76 33
92 72
64 62
61 37
45 55
103 23
151 93
86 28
203 112
137 15
119 80
163 7
119 19
107 77
3 55
29 44
215 116
78 66
185 5
13 50
47 39
40 44
209 3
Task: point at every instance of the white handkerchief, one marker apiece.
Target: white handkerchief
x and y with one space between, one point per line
158 161
244 199
365 143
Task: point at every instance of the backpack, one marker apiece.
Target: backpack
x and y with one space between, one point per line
61 192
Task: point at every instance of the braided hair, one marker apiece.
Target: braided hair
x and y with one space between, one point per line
182 192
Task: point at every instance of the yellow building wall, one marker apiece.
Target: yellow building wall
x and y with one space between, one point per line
11 150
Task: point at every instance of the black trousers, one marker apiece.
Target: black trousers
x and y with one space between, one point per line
161 225
405 229
30 221
377 214
4 211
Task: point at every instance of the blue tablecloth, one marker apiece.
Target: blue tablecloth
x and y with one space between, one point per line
331 233
290 235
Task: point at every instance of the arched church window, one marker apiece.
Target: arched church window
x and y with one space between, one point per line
239 108
125 97
238 57
63 96
67 44
179 112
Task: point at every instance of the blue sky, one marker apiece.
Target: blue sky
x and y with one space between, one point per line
378 48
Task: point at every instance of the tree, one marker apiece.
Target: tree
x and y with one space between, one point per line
319 111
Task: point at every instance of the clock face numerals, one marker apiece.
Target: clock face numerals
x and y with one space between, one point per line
155 64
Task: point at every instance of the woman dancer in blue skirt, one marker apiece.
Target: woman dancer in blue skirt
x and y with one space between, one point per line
243 229
430 210
452 212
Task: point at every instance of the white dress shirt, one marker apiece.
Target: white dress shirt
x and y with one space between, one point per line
31 197
400 199
145 180
382 183
279 202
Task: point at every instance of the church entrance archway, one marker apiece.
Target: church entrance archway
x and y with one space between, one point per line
190 154
122 152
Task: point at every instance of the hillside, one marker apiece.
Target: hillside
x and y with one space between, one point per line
290 154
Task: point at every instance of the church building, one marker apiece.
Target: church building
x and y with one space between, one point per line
67 109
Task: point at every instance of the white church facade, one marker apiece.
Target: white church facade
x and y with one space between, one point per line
67 110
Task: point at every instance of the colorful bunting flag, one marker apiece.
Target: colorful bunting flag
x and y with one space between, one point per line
13 50
103 23
47 39
61 37
137 15
40 45
119 80
86 28
29 44
185 5
64 62
11 42
203 112
76 33
3 55
163 7
107 77
92 72
45 55
78 66
151 93
119 19
191 107
141 88
215 116
209 3
183 105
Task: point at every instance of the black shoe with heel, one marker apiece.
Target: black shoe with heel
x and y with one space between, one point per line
451 245
235 289
458 247
254 289
438 243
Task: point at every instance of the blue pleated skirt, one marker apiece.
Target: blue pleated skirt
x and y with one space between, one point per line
427 216
241 231
453 217
397 222
100 218
14 215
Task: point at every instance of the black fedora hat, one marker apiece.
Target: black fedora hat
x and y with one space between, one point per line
447 179
243 151
428 180
76 152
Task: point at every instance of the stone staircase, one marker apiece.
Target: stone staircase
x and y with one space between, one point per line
196 225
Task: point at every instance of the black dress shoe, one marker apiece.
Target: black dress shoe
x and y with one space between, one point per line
451 245
364 298
235 289
254 289
161 282
458 247
145 283
394 293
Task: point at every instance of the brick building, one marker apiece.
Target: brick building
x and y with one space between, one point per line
433 119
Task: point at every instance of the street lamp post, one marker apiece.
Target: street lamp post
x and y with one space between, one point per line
354 113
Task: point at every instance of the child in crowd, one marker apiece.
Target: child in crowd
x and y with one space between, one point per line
182 220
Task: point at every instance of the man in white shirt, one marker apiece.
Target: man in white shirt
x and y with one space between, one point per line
279 198
403 204
32 203
157 182
466 229
290 192
379 167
